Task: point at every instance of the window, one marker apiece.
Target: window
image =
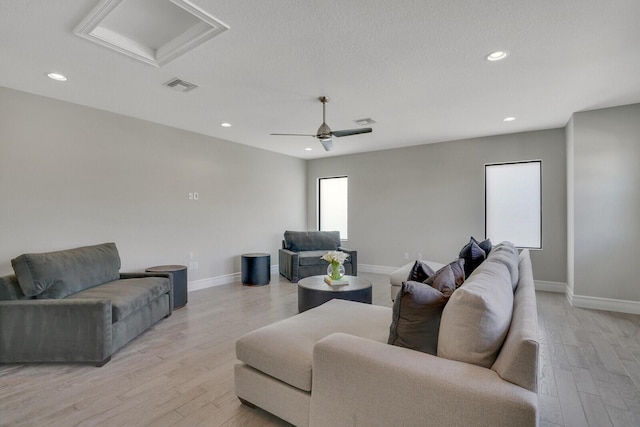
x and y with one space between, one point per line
513 203
332 204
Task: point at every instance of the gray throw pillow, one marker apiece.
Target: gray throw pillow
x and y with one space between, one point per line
456 269
473 256
420 272
416 317
485 245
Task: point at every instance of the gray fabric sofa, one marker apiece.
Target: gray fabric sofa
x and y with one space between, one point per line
301 252
75 306
332 366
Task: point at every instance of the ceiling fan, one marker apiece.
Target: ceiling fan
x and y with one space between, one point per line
325 133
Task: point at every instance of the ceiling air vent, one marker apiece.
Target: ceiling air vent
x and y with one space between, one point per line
180 85
367 121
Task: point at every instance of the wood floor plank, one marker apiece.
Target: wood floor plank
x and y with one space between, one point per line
607 355
552 411
610 395
572 411
595 410
583 380
622 418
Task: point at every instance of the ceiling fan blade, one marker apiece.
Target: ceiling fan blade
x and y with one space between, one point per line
293 134
349 132
327 144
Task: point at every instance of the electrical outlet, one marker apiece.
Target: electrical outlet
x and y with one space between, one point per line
406 255
190 196
195 265
190 266
196 196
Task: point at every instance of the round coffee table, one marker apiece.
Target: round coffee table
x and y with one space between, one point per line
313 291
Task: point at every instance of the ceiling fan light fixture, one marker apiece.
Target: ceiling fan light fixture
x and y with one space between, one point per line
327 144
325 134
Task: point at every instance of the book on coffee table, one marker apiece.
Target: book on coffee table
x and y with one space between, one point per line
340 282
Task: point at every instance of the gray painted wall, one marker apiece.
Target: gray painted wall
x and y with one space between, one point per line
71 176
429 199
606 179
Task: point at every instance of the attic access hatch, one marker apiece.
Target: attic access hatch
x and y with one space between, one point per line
155 32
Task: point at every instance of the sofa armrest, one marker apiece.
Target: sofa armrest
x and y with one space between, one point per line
288 264
55 330
372 383
143 274
353 258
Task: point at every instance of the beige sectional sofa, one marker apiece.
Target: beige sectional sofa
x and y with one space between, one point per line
332 366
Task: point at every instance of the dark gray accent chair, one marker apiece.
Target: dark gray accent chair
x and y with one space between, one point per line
75 306
301 254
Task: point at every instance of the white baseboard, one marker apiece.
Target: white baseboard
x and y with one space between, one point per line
608 304
376 269
542 285
595 303
225 279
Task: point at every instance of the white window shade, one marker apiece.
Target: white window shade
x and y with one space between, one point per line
332 205
513 203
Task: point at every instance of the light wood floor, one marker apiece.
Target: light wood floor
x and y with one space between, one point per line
180 372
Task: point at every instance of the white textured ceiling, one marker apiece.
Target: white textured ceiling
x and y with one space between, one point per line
416 67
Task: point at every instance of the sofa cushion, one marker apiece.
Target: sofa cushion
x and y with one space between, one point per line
454 268
312 258
507 254
62 273
297 241
127 295
416 316
420 272
476 319
473 256
284 349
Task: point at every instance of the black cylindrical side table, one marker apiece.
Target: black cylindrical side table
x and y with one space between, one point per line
179 273
256 269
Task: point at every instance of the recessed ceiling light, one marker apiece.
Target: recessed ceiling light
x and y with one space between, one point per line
509 119
225 125
497 55
57 76
308 149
